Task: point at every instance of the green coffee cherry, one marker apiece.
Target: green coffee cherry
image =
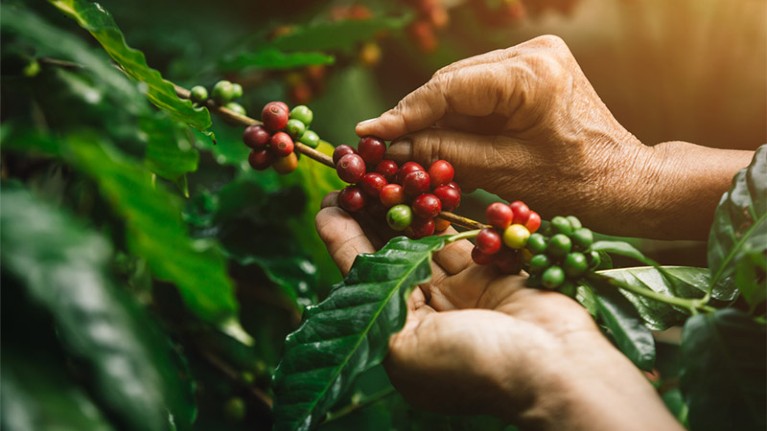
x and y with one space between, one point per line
303 114
574 222
553 277
198 94
562 225
234 409
539 263
236 107
223 92
399 217
536 243
569 289
594 259
582 238
575 264
295 128
310 138
559 245
236 90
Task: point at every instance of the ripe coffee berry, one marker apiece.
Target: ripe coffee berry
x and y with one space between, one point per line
275 116
371 149
521 212
281 144
351 168
372 183
516 236
256 136
449 196
286 165
399 217
387 168
508 261
426 206
416 183
454 185
260 159
440 224
489 241
481 258
406 169
533 222
341 151
499 215
351 199
392 194
420 228
441 172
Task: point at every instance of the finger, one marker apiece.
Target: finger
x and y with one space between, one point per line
455 256
330 200
343 237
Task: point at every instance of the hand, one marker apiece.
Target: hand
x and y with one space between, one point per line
479 342
525 123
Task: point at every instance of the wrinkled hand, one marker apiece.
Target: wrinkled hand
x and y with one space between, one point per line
477 341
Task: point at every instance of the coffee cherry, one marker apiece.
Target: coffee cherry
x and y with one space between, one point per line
441 172
553 277
295 128
236 108
499 215
575 264
539 263
275 116
595 259
235 409
372 183
582 238
559 245
399 217
449 196
341 151
454 185
440 225
198 94
406 169
256 136
351 199
371 149
281 144
416 183
481 258
515 236
508 261
574 222
426 206
392 194
562 225
521 212
489 241
303 114
236 90
387 168
420 228
351 168
536 243
222 92
533 222
310 139
286 165
261 159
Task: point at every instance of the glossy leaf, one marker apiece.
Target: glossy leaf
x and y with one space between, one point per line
349 331
622 249
723 371
740 228
339 35
169 152
750 277
626 327
679 281
271 58
63 267
94 18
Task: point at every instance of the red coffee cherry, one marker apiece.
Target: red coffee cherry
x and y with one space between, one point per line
261 159
371 149
256 136
533 222
388 168
521 212
392 194
454 185
351 168
282 105
275 116
440 225
449 196
420 228
286 165
416 183
441 172
341 151
372 183
499 215
351 199
508 261
281 144
427 206
481 258
489 241
407 168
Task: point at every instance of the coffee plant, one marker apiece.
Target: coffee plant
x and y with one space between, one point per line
160 267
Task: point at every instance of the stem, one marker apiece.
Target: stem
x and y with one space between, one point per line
357 405
691 305
463 235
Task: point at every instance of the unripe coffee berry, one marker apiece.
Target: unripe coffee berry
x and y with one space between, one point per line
260 159
372 183
387 168
516 236
489 241
274 116
371 149
351 199
449 196
538 263
286 165
582 238
574 222
341 151
499 215
533 222
595 259
481 258
256 136
198 94
416 183
303 114
295 128
441 172
553 277
521 212
392 194
399 217
406 169
236 108
281 144
559 245
310 139
426 206
222 92
236 90
575 264
351 168
536 243
562 225
420 228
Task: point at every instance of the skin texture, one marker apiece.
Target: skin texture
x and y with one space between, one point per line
525 123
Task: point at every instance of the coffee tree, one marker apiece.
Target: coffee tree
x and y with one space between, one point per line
159 260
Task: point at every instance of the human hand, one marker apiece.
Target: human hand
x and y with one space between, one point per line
477 341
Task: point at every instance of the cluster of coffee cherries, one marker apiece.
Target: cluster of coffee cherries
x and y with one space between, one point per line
431 15
503 243
560 254
411 196
273 142
224 93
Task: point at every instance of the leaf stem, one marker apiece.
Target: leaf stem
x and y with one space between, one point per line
359 404
463 235
693 306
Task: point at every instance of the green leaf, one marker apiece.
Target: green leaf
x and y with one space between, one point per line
620 317
349 331
271 58
169 152
740 228
62 265
337 35
724 369
679 281
94 18
750 275
622 249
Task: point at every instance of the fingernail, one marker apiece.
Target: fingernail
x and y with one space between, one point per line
366 122
400 150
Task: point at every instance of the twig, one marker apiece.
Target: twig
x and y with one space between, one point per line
235 376
357 405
